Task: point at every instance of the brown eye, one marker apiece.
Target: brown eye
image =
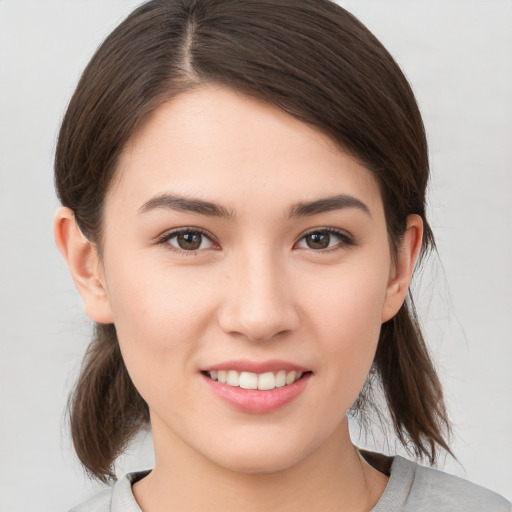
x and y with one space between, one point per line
189 240
319 240
325 239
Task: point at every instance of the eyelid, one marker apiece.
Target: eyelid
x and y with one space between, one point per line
346 239
168 235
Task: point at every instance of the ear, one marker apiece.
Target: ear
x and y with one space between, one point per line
403 268
84 263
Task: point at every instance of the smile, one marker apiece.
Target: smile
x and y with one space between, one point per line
261 381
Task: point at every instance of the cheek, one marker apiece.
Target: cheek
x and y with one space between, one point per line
160 318
347 323
348 301
159 301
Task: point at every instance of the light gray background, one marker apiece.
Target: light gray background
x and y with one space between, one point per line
458 56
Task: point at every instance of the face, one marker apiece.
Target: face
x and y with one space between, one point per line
243 250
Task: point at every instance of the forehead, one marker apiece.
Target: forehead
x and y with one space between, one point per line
222 145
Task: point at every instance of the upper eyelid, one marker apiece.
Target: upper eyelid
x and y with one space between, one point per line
331 229
336 231
185 229
346 239
167 235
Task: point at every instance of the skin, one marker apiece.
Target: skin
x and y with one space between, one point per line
254 290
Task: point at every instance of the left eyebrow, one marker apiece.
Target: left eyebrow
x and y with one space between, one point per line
327 204
186 204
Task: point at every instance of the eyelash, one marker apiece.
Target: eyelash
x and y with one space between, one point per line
167 237
345 240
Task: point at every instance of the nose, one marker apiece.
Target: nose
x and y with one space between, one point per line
258 299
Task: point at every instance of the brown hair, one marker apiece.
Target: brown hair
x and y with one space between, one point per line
315 61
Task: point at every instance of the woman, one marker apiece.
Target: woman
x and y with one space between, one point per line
243 189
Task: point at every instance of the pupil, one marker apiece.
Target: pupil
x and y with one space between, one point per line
318 240
189 241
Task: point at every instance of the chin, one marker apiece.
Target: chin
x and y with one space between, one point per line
251 464
266 456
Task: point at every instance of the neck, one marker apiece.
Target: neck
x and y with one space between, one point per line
333 478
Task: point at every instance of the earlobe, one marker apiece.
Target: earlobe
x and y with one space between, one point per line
84 264
407 255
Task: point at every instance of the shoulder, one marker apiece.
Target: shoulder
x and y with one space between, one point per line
98 503
117 498
418 488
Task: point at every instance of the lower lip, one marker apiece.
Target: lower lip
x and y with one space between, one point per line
256 401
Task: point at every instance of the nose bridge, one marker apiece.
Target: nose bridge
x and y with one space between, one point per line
257 302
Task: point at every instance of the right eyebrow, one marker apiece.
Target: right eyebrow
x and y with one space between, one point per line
328 204
186 204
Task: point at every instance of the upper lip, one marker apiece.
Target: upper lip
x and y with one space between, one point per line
245 365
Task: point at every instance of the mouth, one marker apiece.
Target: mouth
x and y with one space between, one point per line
258 387
261 381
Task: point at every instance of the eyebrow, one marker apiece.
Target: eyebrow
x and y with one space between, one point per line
328 204
186 204
201 207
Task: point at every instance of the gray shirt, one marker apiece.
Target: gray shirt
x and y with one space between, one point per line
411 488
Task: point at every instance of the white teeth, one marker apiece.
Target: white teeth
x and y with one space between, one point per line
249 380
281 378
233 378
290 377
266 381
